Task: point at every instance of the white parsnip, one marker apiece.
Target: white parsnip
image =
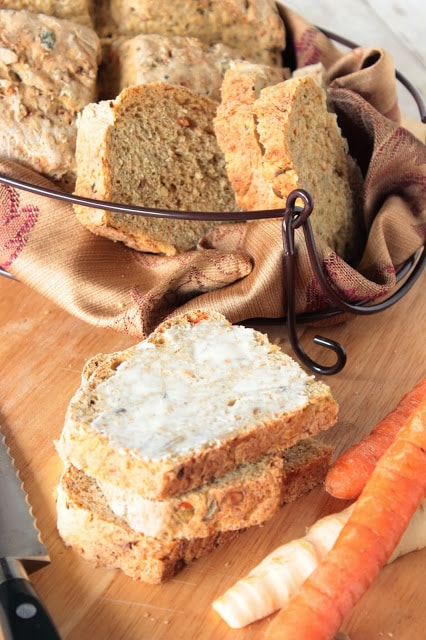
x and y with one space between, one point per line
273 582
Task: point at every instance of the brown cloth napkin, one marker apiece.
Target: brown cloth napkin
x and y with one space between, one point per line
237 269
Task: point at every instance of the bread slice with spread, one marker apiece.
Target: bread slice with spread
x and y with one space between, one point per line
244 497
193 401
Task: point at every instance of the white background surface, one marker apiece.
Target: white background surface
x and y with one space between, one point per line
397 26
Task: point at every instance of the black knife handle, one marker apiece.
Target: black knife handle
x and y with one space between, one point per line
22 615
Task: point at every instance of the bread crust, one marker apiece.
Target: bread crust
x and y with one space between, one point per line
80 11
92 451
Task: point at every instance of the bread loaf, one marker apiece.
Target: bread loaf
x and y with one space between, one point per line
193 401
254 27
87 523
295 143
153 146
48 70
177 60
80 11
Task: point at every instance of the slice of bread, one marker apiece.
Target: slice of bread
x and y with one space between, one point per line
147 58
86 522
153 146
193 401
295 143
247 496
254 27
235 128
48 72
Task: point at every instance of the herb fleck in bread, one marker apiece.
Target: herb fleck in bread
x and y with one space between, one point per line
87 523
153 146
254 27
193 401
296 143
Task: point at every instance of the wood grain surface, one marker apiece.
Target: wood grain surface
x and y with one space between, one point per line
42 351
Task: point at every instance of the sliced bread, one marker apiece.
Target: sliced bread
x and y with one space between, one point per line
153 146
296 144
48 71
87 523
235 128
247 496
254 27
193 401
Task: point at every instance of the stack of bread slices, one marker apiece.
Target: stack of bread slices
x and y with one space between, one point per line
179 443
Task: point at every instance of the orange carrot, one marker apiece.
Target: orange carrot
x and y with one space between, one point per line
379 518
346 478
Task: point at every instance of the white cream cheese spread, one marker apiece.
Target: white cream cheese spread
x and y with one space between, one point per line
205 382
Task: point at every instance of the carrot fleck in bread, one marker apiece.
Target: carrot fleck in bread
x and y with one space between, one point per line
48 71
254 27
153 146
193 401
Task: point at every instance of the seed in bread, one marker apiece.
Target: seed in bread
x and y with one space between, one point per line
153 146
196 399
253 27
48 71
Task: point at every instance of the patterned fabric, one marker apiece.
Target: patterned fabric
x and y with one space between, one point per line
237 269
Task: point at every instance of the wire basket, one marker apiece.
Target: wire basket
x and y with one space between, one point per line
293 217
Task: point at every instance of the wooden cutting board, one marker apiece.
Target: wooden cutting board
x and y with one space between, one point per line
42 351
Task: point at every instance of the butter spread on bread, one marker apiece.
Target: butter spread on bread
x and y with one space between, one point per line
201 397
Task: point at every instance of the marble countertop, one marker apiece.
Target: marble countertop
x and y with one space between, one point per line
398 26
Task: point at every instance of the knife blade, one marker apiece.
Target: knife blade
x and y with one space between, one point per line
22 614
